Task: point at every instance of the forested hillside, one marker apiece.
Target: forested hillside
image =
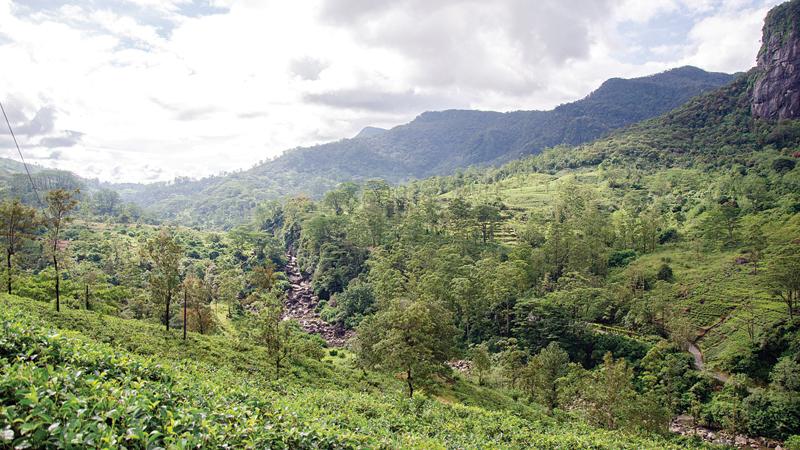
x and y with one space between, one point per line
435 143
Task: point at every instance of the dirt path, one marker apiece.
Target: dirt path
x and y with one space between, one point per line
301 304
699 362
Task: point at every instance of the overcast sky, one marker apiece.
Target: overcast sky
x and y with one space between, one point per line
146 90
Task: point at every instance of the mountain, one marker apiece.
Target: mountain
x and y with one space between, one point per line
14 181
435 143
368 132
776 93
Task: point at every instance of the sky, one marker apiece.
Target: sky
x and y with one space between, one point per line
147 90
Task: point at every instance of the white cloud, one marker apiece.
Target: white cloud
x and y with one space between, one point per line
143 90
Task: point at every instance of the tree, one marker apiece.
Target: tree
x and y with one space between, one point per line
356 302
163 253
89 275
411 336
59 204
272 331
785 376
608 397
757 242
487 216
230 287
723 220
185 306
263 277
375 201
18 222
342 199
784 274
106 202
461 217
543 372
481 360
512 361
191 290
783 165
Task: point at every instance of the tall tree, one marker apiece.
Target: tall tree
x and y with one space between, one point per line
18 223
410 336
543 372
163 253
272 331
487 216
757 242
106 202
481 360
59 204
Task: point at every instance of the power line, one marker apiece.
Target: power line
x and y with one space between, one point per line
22 158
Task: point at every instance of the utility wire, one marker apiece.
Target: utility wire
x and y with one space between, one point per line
22 158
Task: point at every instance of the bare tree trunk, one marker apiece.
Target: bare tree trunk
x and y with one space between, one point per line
58 293
185 297
8 266
86 296
169 300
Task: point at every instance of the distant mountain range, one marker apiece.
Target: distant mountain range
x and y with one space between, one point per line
437 143
434 143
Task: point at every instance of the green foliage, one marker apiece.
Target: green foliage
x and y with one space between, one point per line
352 305
543 372
78 392
481 360
407 336
607 397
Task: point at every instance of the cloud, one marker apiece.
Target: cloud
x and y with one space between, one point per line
42 123
307 68
199 87
69 138
382 101
37 131
501 46
187 113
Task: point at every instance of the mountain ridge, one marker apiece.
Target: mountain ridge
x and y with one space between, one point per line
434 143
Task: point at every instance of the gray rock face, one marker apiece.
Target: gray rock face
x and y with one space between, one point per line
776 92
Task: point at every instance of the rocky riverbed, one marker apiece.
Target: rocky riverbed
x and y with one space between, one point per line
301 305
683 425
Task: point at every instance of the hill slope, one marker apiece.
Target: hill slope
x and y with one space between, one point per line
79 391
434 143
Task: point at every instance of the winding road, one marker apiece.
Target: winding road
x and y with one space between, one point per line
699 361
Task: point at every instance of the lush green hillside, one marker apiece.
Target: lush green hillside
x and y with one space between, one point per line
434 143
65 388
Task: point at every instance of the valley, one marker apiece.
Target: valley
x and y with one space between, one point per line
619 272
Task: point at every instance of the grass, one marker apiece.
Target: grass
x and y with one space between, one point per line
83 380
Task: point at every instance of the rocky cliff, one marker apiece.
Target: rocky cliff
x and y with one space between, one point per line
776 93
